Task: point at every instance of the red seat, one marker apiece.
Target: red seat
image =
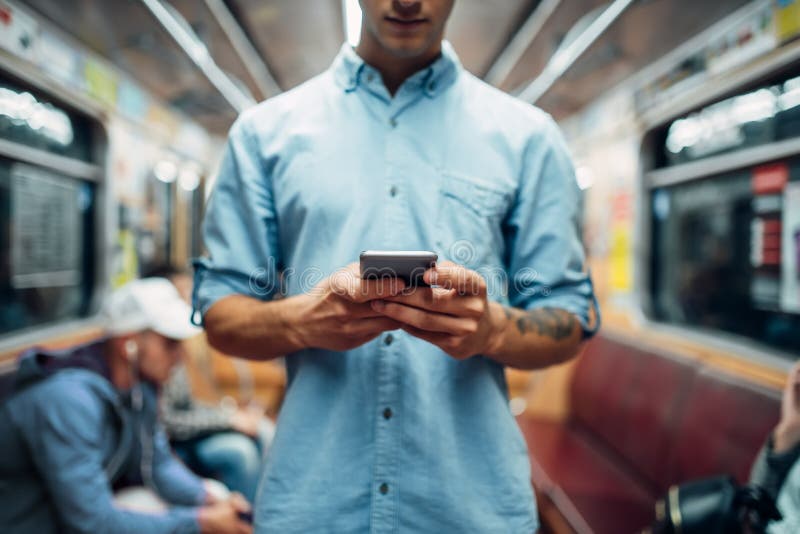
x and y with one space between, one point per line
728 422
573 470
639 422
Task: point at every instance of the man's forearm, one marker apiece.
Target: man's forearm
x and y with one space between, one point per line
535 338
249 328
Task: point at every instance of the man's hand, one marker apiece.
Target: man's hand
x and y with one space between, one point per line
223 517
337 315
787 433
334 315
456 316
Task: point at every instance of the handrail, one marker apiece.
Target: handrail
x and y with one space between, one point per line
564 59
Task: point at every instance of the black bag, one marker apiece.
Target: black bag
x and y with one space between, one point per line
714 506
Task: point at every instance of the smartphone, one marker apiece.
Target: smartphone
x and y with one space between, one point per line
409 265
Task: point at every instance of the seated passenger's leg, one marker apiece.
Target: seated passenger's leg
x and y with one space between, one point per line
234 459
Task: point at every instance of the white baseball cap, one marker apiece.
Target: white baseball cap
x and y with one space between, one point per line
148 304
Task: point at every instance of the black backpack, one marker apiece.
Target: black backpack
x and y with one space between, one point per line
715 505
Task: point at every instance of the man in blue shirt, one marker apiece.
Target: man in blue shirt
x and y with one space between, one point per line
396 416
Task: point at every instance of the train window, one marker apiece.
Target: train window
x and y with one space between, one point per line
724 199
764 115
30 119
48 210
46 240
726 253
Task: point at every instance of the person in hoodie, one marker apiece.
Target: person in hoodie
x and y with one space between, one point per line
777 468
81 423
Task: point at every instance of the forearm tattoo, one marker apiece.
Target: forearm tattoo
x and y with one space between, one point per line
550 322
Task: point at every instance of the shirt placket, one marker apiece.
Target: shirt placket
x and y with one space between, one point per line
389 409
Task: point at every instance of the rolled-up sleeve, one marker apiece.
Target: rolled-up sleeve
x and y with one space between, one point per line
239 228
546 261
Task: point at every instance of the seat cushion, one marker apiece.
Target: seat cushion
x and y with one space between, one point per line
725 423
641 420
632 399
593 491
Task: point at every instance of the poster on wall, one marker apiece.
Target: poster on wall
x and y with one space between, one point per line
620 253
787 19
101 82
46 237
19 32
60 61
790 249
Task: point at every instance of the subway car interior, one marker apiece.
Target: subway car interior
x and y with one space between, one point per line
584 216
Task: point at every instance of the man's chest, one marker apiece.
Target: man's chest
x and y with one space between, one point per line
430 180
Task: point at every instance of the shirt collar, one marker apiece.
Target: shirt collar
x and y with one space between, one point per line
350 71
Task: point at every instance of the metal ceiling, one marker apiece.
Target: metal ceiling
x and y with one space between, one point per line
480 29
297 39
260 43
126 33
645 32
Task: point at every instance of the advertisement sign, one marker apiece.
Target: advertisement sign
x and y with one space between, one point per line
621 250
132 100
60 61
787 19
19 32
790 249
101 82
46 237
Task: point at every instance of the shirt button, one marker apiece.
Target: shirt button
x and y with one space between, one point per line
393 191
388 339
370 77
392 122
431 86
384 488
387 413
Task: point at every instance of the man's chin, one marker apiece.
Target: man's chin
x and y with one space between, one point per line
406 48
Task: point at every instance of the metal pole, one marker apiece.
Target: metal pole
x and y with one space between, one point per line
512 53
252 60
564 59
199 54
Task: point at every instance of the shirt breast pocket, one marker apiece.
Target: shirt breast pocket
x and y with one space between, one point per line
471 212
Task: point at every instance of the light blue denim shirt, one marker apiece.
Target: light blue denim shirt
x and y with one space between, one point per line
395 436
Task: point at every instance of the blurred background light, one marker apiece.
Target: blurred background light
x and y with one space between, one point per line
166 171
352 21
584 177
189 176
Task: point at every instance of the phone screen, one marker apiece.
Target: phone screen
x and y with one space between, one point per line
409 265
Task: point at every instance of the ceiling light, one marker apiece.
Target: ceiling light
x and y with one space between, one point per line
189 177
166 171
352 21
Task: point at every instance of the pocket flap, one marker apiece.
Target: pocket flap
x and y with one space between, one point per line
477 194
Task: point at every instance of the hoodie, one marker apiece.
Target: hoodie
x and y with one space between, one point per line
68 438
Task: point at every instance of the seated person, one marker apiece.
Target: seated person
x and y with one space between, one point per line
224 443
776 468
82 422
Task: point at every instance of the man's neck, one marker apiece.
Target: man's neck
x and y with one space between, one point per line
394 70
